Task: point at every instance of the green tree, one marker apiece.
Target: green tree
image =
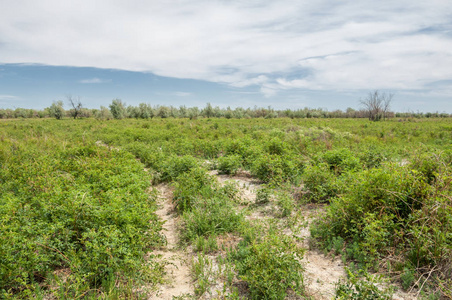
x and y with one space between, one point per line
117 109
146 111
103 114
56 110
163 112
208 112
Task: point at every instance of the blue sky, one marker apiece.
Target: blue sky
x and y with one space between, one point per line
284 54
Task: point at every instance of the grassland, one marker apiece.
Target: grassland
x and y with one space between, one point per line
78 204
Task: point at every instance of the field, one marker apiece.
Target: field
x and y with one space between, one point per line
118 209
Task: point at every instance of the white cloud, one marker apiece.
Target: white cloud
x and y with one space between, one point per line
177 94
8 97
182 94
276 45
95 80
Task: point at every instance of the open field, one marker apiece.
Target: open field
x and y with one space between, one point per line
217 208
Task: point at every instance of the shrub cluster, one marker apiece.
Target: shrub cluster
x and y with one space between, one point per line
206 207
80 210
394 211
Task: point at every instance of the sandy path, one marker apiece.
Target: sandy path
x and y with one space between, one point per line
321 272
178 280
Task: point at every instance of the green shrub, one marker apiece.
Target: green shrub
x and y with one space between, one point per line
270 266
429 165
359 288
407 278
229 164
263 195
83 209
341 160
275 147
372 157
190 187
392 210
285 203
207 209
320 183
276 169
210 216
174 166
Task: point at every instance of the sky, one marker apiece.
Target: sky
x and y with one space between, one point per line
284 54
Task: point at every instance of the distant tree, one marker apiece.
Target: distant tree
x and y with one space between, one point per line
228 113
173 112
193 113
133 112
103 114
239 113
208 112
377 105
163 112
21 113
76 104
183 113
56 110
117 109
146 111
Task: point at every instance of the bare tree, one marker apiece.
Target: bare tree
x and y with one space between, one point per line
387 99
377 105
76 104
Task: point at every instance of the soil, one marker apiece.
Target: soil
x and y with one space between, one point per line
321 272
177 267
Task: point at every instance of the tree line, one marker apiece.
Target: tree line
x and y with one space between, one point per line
375 107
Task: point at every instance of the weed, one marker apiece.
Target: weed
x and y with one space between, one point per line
229 164
362 286
263 195
270 266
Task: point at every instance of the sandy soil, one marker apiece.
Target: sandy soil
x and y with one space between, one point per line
321 272
178 279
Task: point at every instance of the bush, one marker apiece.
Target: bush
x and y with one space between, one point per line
82 209
276 169
174 166
362 288
229 164
341 160
270 266
210 216
393 211
190 187
263 195
320 183
372 157
275 147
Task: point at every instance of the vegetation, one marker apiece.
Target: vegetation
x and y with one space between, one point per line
77 216
375 107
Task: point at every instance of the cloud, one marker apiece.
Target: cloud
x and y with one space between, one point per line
177 94
274 45
182 94
8 97
95 80
261 79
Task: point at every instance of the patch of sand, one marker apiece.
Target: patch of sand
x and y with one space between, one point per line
177 268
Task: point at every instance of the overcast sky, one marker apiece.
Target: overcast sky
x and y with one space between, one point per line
286 54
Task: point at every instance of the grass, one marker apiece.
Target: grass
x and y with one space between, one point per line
76 217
